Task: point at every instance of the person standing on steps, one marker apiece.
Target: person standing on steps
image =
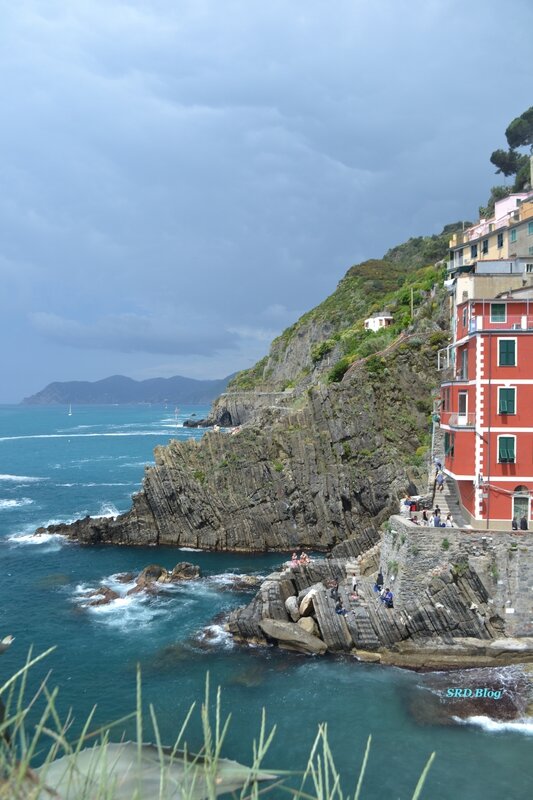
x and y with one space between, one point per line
514 524
523 523
440 481
438 466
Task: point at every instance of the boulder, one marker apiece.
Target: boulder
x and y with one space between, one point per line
367 656
101 596
292 636
306 606
291 604
185 571
308 624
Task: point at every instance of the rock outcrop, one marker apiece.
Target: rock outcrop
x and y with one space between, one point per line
150 580
448 609
308 473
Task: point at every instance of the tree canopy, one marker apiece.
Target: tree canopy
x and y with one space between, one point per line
519 133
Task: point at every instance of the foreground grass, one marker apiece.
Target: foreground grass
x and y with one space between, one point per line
99 766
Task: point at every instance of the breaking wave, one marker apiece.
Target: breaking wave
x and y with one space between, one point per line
85 435
21 478
524 726
8 504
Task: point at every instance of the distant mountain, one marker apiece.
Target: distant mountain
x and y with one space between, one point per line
119 389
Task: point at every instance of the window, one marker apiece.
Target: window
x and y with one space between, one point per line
473 251
512 235
506 449
485 247
530 251
462 403
465 314
529 267
449 444
500 240
506 401
498 312
507 352
530 228
463 372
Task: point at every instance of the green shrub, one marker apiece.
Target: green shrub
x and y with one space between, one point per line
278 466
321 349
199 475
445 544
338 371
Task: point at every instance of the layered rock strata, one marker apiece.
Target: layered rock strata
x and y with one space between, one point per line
308 473
449 607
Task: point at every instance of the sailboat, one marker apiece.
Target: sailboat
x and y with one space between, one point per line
70 409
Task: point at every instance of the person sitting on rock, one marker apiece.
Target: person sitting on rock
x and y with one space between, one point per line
294 560
425 517
334 591
379 581
339 608
449 521
304 558
388 599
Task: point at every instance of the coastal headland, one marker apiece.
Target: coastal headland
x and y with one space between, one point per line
312 449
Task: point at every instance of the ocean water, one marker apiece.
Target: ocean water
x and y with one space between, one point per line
55 468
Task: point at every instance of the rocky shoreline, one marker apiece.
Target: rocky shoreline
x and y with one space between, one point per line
444 617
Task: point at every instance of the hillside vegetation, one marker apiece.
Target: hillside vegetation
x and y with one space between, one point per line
325 341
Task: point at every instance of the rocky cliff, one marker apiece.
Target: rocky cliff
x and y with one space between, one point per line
451 606
315 461
308 472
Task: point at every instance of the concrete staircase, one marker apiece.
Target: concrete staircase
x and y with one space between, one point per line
449 503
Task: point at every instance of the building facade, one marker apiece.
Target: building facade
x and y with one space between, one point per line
486 399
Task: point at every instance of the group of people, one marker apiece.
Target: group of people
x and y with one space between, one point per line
385 594
434 519
300 561
519 526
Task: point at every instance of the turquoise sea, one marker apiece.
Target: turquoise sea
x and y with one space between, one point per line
55 467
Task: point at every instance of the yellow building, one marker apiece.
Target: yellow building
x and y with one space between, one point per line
505 237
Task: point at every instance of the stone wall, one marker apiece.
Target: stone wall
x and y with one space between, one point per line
502 562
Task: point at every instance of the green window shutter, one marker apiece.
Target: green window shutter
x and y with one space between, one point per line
507 401
506 452
507 353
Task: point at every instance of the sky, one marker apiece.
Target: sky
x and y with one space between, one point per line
181 180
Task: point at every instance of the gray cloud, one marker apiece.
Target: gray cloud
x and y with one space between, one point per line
134 333
223 164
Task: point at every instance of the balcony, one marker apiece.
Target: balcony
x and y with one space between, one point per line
512 322
456 420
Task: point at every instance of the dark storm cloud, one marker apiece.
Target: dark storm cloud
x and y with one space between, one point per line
186 178
134 333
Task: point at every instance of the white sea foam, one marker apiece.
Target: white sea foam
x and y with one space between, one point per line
89 485
217 636
84 435
37 538
127 614
8 504
107 510
21 478
524 726
190 549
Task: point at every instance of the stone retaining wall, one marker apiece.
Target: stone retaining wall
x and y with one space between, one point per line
502 560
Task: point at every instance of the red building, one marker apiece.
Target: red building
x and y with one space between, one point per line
487 405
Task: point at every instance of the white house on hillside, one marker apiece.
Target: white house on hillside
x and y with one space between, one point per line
377 321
